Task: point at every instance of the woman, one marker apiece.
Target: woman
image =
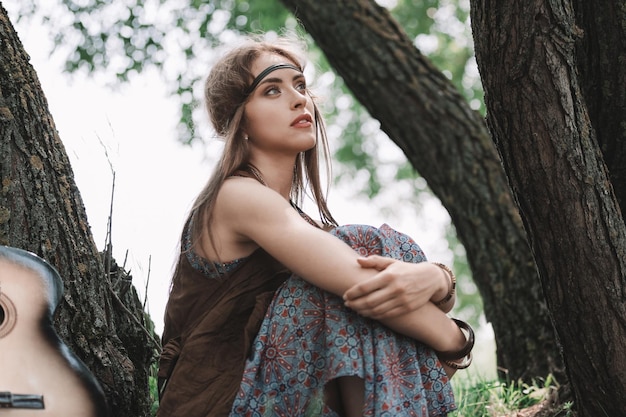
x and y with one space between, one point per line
270 310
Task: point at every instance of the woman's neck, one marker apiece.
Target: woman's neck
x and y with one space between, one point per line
275 176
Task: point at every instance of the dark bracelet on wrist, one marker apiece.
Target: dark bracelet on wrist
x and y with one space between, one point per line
460 359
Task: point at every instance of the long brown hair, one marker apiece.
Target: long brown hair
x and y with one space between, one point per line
224 95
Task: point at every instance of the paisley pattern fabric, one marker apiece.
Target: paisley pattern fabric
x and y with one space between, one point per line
309 338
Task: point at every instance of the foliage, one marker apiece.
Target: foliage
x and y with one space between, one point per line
178 37
154 390
441 30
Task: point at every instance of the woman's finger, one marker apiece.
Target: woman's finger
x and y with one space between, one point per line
375 261
367 287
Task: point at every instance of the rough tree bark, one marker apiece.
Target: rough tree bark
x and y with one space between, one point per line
601 57
449 145
539 119
100 317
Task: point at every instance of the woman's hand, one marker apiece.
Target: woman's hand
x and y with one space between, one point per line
398 288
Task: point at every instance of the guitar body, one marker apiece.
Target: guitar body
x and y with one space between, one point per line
39 375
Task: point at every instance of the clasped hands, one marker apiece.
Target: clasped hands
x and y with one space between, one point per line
398 288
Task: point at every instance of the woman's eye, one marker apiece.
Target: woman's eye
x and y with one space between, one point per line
301 87
272 91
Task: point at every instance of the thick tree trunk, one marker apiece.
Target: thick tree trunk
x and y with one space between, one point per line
449 145
601 57
41 211
537 115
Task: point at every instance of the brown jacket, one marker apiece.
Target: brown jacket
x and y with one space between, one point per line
210 325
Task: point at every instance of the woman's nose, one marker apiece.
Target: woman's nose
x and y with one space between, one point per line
299 99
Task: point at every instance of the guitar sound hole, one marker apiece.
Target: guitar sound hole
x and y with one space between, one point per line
8 315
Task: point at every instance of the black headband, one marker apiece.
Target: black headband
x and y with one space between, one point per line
264 73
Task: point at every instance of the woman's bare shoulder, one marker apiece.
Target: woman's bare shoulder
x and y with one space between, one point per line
245 199
236 188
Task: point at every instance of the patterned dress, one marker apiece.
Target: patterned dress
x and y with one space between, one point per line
308 337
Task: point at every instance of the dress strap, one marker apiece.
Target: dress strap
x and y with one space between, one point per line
304 215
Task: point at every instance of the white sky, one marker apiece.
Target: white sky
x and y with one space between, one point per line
132 131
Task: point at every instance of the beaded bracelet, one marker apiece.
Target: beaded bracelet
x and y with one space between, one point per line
451 284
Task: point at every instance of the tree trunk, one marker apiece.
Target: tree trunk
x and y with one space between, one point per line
449 145
41 211
538 118
601 57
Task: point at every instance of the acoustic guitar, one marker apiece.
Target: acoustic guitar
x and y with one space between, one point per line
39 375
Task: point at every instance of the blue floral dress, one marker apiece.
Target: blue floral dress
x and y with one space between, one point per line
308 337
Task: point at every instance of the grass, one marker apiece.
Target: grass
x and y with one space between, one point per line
495 398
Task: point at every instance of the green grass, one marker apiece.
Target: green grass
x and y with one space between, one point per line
154 389
491 398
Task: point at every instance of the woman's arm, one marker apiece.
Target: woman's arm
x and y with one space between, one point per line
257 213
397 288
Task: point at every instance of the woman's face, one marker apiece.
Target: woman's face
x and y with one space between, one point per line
279 115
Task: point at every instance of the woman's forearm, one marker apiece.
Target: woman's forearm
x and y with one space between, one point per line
430 326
